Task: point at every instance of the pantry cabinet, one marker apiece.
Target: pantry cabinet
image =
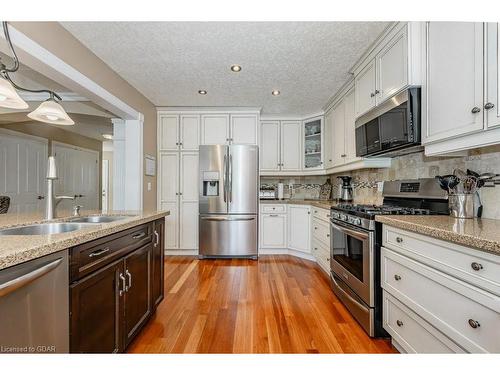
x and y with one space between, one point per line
299 228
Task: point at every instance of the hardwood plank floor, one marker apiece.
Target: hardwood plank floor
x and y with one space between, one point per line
278 304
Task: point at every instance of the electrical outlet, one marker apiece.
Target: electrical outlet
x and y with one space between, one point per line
380 186
149 186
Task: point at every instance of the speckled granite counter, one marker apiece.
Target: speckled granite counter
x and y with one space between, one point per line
22 248
481 234
310 202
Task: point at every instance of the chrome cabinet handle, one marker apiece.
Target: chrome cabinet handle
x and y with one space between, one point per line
177 143
123 290
273 215
476 266
157 238
377 92
399 239
397 277
139 235
328 234
476 110
40 197
399 323
99 252
129 275
474 323
372 95
489 105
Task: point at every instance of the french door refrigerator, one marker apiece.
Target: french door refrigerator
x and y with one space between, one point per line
228 201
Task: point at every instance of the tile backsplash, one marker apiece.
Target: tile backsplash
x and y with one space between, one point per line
365 181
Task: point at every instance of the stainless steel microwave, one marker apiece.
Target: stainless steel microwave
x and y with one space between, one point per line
393 128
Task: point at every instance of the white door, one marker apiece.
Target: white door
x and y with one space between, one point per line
273 230
392 67
339 134
78 175
291 145
492 75
270 146
105 185
189 132
365 86
454 79
244 129
328 136
169 196
214 129
299 228
23 163
349 128
188 206
169 132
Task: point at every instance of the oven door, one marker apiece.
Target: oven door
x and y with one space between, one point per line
352 259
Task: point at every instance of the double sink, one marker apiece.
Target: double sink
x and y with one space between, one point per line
64 227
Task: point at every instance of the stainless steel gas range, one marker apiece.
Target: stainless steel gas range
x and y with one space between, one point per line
356 239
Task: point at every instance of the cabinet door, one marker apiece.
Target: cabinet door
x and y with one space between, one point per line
169 132
96 311
188 222
270 146
169 196
299 228
188 207
454 79
291 145
189 132
157 259
328 139
215 129
392 66
338 134
365 87
349 129
273 230
244 129
492 75
137 297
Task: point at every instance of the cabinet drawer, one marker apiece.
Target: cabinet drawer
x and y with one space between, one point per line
466 314
411 332
322 254
321 232
321 214
273 208
93 255
473 266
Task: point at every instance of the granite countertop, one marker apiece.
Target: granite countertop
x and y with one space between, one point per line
22 248
325 204
481 234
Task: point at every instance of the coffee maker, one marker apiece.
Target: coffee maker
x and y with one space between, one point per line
346 189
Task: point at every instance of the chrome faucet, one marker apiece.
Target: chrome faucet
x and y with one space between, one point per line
52 200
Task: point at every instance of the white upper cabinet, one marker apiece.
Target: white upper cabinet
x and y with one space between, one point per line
189 132
244 129
291 142
350 128
299 228
313 131
169 132
339 134
365 86
328 152
392 67
215 129
492 81
270 146
454 80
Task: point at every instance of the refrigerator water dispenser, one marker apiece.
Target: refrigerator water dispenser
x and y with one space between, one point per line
210 184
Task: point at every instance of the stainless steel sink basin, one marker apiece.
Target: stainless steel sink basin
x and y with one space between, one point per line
98 219
39 229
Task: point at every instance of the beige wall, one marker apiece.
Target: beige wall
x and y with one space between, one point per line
53 37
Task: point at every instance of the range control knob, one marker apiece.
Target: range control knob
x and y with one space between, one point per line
343 217
357 221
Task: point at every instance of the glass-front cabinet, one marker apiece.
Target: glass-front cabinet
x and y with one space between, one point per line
313 143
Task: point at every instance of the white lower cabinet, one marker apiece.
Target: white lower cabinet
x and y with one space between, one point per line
442 304
299 228
273 231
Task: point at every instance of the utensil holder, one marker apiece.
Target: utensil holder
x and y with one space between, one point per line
461 206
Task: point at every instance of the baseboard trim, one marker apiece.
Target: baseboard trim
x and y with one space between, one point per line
181 252
294 253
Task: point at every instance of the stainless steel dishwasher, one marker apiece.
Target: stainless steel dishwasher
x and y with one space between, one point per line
34 306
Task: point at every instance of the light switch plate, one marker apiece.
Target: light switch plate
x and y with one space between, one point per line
149 186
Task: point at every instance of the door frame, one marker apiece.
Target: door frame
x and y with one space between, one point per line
105 184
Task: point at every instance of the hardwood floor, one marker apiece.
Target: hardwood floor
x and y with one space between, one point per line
278 304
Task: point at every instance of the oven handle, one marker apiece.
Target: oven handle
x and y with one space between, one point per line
360 235
353 300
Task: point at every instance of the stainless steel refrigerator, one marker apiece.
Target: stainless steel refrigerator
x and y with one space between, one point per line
229 203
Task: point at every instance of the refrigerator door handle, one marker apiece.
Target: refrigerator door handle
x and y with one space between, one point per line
224 177
222 218
230 178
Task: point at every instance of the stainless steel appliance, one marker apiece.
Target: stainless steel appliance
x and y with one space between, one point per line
392 128
356 239
345 189
228 201
34 306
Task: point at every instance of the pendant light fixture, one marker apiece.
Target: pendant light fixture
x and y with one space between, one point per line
50 111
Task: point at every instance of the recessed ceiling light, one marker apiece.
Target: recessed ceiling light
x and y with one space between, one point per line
202 92
107 136
235 68
276 92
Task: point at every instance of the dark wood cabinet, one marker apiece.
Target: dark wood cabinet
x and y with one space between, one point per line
110 305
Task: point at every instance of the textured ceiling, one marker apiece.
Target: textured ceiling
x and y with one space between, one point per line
170 61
